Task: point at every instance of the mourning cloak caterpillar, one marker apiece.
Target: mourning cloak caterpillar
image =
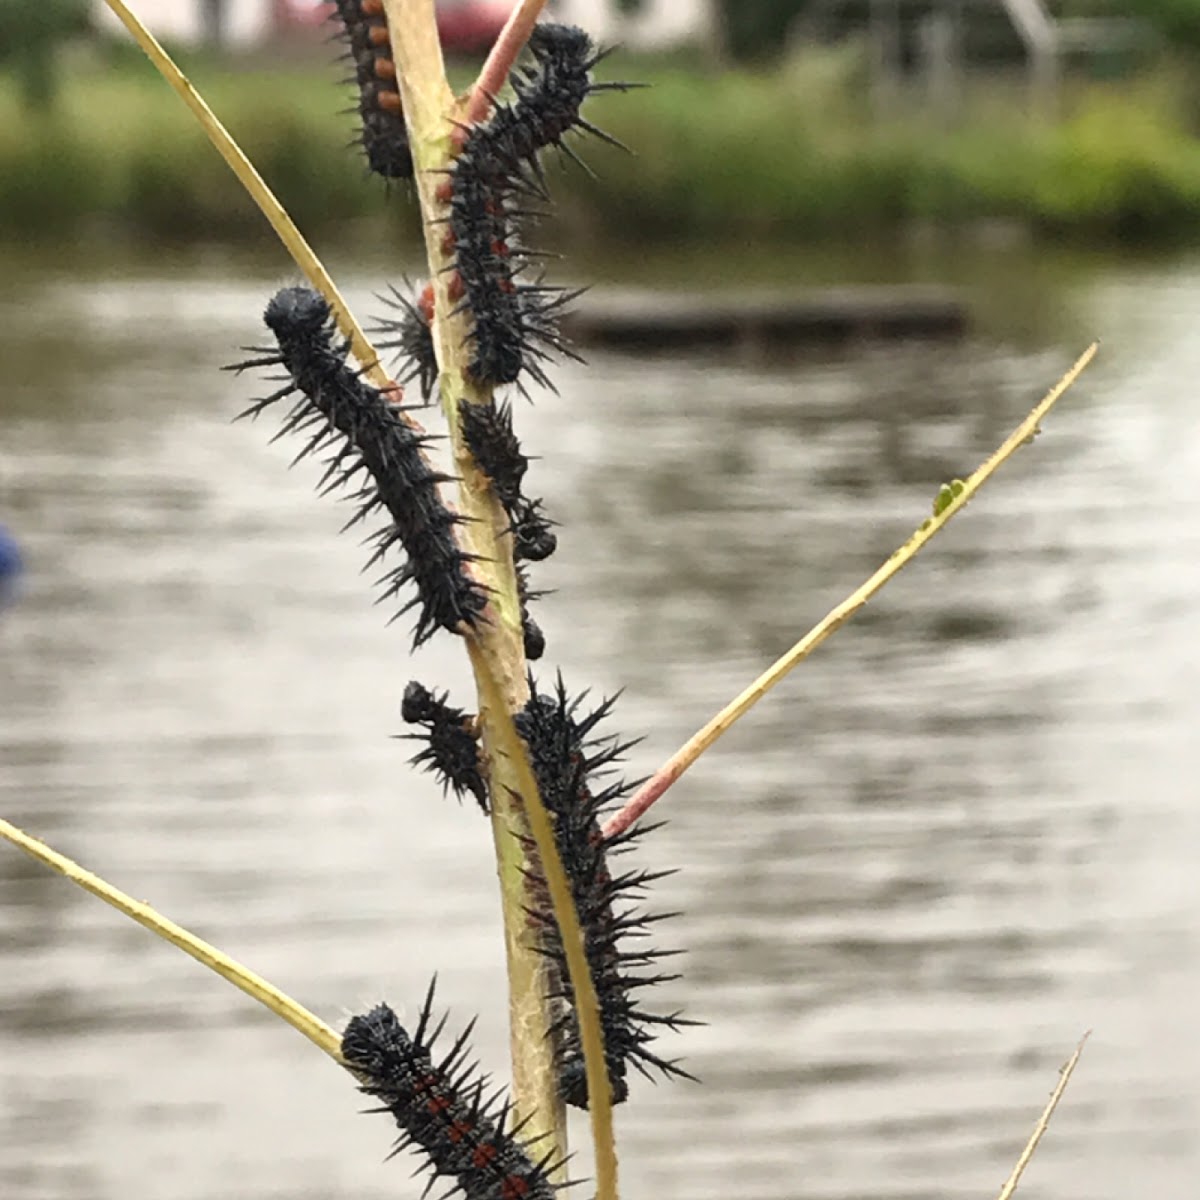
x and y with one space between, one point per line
384 137
451 748
495 177
413 338
566 758
445 1108
508 320
372 436
488 433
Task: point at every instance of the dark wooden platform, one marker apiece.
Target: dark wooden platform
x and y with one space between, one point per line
647 321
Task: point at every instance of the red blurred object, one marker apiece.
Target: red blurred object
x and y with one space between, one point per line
465 26
470 27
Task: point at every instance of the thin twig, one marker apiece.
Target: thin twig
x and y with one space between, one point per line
289 234
687 754
257 988
500 61
1043 1121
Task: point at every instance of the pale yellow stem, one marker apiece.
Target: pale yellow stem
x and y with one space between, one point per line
587 1004
1039 1129
291 237
950 502
257 988
497 652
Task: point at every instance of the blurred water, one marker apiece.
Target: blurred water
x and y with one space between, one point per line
958 837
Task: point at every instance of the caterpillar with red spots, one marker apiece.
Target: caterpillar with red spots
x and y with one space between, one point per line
444 1107
383 137
567 760
374 445
492 182
551 93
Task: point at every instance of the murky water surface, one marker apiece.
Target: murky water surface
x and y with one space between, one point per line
964 833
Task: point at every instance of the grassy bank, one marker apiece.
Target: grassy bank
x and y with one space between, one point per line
120 153
782 157
792 155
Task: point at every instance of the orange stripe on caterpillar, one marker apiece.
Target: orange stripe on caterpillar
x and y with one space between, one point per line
383 136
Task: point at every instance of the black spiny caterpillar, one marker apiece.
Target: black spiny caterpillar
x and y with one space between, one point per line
566 761
375 446
444 1107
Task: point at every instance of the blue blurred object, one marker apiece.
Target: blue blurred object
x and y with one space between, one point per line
10 565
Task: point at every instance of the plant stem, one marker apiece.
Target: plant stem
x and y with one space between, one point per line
257 988
289 234
662 779
587 1004
497 649
497 653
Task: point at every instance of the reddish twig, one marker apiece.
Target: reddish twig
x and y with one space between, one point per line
648 793
500 61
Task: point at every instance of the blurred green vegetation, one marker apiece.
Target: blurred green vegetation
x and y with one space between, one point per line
1176 20
31 32
796 153
790 154
755 29
120 153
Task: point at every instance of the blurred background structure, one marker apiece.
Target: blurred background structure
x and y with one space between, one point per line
777 119
466 25
961 834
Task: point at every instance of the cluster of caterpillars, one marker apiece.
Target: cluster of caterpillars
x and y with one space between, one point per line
376 452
